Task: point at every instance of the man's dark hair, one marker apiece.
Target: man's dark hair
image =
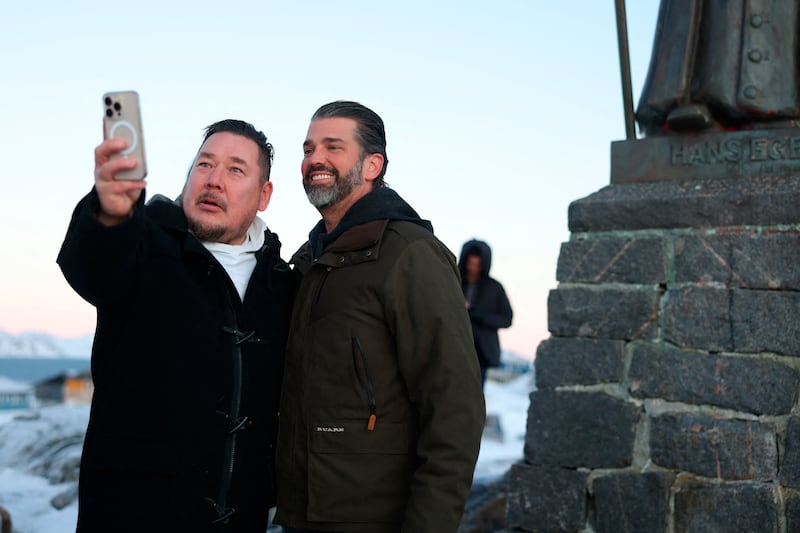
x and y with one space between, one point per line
370 132
265 150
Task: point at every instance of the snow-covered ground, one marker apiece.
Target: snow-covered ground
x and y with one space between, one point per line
39 452
509 402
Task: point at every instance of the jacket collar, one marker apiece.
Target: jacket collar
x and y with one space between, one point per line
358 237
169 215
382 204
356 245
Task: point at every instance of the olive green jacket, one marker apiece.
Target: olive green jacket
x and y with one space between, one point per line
381 408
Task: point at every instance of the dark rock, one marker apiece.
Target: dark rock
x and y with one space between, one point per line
790 465
767 261
605 313
703 258
492 428
612 260
628 503
65 498
485 509
746 508
731 382
688 204
793 513
59 458
574 429
698 318
5 520
766 321
713 447
741 259
577 361
733 320
547 499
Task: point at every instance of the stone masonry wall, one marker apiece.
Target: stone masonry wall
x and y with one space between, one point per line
667 394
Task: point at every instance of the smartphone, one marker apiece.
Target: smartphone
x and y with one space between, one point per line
122 118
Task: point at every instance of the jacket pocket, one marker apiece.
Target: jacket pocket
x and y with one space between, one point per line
358 475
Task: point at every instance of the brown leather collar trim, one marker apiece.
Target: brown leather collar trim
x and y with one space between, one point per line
359 237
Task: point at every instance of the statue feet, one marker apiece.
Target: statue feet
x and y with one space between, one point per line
692 117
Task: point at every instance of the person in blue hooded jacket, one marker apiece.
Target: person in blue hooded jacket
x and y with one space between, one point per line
486 300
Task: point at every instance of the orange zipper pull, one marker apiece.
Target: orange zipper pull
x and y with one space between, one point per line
371 423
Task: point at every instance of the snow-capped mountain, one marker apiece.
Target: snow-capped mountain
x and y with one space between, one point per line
44 345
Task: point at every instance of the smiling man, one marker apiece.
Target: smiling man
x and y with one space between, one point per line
381 409
193 304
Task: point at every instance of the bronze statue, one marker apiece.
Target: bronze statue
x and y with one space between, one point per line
722 65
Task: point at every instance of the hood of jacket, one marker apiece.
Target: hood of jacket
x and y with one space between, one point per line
381 204
480 248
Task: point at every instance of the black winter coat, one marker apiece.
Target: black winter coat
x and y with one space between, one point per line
187 377
490 309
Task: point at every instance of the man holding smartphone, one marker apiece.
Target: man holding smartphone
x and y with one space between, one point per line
193 304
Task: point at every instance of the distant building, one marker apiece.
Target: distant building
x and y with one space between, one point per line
15 395
73 388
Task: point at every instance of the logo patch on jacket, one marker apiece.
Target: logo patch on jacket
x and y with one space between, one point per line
328 429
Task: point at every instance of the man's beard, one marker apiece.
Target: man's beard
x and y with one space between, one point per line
206 233
322 197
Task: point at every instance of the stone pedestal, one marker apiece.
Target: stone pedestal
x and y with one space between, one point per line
667 393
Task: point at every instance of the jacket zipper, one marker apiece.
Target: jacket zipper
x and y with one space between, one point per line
367 386
322 284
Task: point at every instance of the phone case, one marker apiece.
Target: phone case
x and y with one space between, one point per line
122 118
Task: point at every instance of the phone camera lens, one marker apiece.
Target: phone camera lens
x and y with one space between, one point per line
108 100
109 113
117 106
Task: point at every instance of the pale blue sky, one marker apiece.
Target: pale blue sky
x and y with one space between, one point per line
498 115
